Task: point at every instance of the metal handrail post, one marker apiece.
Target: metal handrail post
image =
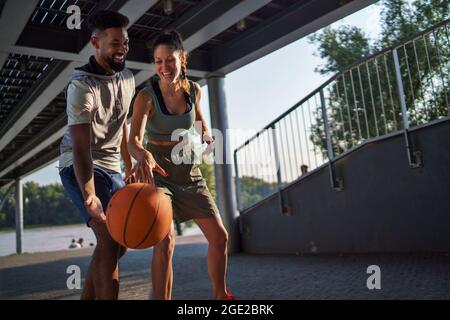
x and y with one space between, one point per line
330 153
401 95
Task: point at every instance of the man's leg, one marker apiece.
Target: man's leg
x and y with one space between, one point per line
104 270
103 275
105 267
88 292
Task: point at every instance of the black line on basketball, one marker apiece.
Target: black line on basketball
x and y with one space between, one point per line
154 220
128 215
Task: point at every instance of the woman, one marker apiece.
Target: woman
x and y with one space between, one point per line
169 103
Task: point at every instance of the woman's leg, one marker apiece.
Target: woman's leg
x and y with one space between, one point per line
217 237
162 274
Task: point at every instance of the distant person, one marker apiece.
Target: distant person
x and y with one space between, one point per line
304 169
74 244
99 95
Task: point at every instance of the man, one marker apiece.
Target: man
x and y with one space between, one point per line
98 99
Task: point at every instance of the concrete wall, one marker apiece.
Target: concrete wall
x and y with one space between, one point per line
385 206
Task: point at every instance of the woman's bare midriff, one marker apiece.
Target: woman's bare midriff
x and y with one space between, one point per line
163 143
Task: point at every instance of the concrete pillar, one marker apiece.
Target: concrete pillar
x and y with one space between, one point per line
19 215
223 172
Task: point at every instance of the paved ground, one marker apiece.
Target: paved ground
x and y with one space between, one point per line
286 277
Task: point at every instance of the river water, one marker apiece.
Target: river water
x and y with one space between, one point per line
54 238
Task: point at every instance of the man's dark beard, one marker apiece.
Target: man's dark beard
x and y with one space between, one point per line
117 67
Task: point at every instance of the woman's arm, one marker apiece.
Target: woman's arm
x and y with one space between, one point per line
205 135
142 109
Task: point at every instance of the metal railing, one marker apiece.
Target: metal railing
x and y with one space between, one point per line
393 90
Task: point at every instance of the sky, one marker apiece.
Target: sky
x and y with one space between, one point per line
259 92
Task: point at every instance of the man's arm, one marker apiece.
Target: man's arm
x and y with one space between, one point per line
82 159
82 165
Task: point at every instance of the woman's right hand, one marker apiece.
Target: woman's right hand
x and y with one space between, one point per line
143 170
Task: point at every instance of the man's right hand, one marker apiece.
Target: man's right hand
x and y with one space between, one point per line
94 207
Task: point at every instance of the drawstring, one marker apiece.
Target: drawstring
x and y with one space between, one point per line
116 100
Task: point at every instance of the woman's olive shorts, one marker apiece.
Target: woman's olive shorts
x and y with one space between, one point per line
184 185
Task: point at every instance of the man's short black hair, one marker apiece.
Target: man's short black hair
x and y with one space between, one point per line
106 19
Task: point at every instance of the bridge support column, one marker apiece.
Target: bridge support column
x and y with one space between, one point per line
223 172
19 215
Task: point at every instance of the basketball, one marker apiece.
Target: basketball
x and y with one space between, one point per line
138 216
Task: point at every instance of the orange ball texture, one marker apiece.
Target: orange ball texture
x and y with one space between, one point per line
138 216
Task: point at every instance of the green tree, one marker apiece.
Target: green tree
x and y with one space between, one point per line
43 205
340 47
7 210
363 101
208 173
254 189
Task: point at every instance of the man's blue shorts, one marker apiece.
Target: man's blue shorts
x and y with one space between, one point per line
106 183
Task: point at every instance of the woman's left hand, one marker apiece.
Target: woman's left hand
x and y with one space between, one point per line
209 140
